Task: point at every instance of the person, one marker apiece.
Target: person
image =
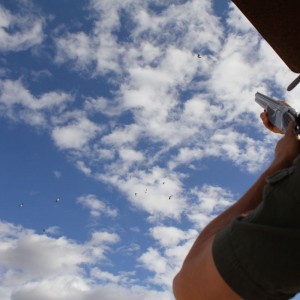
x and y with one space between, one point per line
251 251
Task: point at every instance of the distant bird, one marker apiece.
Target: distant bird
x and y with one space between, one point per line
199 56
57 200
170 197
135 194
163 182
21 204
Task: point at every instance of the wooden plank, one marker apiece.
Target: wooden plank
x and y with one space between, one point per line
278 21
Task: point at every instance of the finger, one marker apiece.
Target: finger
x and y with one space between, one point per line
264 115
265 119
266 122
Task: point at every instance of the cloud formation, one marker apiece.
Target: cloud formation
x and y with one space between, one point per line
37 266
96 206
20 31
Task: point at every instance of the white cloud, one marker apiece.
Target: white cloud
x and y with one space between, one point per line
78 289
102 237
151 191
213 197
75 47
201 31
19 31
185 156
39 267
155 73
100 48
83 168
113 292
121 136
60 287
102 105
105 276
57 174
199 111
31 254
154 261
52 230
239 148
96 206
99 244
163 266
75 135
131 249
18 104
42 255
179 109
237 21
210 201
131 155
171 236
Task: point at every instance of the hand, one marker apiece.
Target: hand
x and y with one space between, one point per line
288 147
268 124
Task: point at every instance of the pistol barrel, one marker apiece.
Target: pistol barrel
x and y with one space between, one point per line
265 101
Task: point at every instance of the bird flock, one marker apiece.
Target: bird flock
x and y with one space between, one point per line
56 200
146 191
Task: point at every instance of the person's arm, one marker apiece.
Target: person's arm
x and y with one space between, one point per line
198 264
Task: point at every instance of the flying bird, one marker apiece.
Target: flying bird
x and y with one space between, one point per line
170 197
57 200
21 204
199 56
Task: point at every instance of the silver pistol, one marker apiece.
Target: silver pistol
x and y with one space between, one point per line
279 112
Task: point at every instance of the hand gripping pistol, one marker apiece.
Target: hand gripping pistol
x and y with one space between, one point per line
279 112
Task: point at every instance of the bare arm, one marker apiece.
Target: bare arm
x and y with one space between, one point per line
195 265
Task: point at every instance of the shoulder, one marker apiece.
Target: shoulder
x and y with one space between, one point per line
200 279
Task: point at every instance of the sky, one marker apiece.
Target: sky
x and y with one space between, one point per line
126 126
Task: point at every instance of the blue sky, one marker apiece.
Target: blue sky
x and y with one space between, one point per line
119 144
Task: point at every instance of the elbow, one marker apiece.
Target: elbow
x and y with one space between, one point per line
177 287
187 284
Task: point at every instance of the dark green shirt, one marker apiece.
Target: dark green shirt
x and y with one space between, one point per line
259 255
